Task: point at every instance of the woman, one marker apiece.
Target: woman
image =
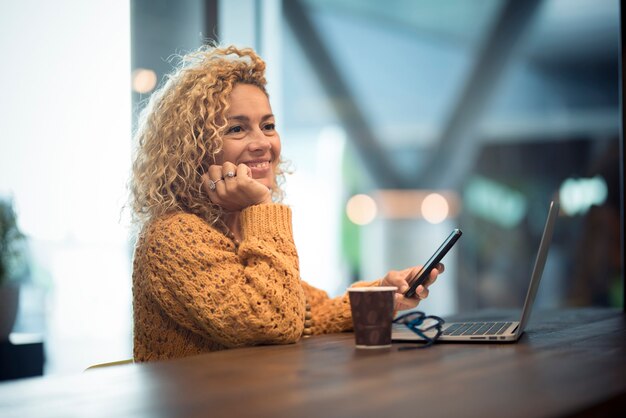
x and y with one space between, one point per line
215 264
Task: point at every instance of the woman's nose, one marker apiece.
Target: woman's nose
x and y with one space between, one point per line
259 141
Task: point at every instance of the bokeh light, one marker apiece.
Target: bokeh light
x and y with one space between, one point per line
144 80
361 209
578 195
435 208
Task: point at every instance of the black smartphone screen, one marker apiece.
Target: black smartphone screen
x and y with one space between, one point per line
432 262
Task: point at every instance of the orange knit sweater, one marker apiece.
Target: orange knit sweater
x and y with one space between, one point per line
195 291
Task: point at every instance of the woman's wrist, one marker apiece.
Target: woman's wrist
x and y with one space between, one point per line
267 200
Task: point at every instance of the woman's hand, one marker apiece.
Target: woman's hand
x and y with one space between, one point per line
232 187
400 279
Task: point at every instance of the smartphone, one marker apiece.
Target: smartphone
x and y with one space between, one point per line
421 276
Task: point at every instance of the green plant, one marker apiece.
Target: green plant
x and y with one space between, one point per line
13 253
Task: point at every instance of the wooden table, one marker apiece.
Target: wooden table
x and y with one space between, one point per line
569 363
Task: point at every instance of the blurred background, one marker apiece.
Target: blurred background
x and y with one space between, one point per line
402 120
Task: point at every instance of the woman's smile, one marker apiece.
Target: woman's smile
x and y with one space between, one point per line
259 168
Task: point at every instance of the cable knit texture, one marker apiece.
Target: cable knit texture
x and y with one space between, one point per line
195 291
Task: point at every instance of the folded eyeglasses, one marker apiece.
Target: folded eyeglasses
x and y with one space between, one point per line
427 327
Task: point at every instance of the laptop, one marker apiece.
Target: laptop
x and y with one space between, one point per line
487 330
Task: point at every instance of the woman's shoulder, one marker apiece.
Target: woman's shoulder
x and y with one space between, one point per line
178 219
178 224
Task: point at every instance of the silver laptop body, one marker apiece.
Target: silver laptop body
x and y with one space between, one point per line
497 330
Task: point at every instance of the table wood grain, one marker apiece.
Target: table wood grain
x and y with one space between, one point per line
568 363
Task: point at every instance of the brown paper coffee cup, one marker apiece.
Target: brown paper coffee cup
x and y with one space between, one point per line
372 314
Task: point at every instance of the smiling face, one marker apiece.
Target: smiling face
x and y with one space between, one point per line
251 137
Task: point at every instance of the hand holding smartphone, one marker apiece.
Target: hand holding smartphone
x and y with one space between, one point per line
432 262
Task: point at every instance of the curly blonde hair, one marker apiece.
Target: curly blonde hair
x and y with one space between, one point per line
180 133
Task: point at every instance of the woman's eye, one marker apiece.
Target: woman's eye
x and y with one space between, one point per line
234 130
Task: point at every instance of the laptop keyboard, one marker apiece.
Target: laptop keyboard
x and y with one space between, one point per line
477 328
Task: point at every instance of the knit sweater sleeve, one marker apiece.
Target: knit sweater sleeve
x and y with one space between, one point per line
331 314
235 297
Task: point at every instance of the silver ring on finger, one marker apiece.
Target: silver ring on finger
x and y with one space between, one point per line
212 184
230 174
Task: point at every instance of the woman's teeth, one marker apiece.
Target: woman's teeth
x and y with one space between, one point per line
263 164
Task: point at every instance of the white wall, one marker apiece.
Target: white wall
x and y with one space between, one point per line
64 157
